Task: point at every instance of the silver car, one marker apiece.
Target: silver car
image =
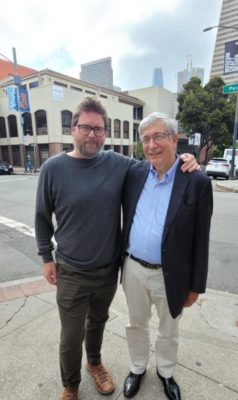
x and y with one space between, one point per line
218 167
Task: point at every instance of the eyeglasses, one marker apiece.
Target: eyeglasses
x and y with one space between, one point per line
86 129
157 137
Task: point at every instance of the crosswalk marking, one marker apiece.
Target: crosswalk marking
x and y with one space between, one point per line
19 226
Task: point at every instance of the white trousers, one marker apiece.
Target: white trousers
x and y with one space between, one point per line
144 287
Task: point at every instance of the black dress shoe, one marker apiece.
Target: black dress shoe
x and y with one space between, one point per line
171 388
132 384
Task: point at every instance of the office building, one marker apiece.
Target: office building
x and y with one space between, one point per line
157 79
98 72
225 56
185 75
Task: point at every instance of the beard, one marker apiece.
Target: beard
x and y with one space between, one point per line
89 151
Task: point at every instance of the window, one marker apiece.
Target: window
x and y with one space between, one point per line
27 124
5 154
41 122
88 92
138 113
33 85
16 155
43 152
109 131
125 129
3 132
76 88
66 117
117 128
12 125
60 84
117 149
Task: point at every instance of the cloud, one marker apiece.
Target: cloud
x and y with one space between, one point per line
138 35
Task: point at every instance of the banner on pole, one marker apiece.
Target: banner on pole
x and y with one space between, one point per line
12 98
24 105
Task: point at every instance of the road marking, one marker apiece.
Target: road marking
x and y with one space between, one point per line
19 226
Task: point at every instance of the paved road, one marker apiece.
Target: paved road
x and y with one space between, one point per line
18 249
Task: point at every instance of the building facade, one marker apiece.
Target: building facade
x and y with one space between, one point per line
98 72
44 128
185 76
225 56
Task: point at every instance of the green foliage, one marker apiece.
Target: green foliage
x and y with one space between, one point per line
138 151
208 111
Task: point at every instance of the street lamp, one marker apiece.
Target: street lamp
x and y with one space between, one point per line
234 27
209 28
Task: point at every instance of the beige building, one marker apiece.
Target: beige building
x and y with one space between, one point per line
44 130
225 57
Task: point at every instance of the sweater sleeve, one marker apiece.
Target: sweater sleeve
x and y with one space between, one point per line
44 227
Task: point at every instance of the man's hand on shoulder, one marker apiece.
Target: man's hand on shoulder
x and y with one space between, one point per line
189 163
191 299
50 272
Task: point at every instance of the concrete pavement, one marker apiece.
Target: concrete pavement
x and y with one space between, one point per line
29 339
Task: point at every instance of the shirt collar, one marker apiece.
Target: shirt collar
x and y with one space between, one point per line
169 175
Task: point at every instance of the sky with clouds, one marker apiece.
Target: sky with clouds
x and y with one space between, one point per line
138 34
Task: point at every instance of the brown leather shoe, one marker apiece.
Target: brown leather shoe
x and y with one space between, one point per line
69 394
103 380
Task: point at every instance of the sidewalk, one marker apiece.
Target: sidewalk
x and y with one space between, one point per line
229 186
29 339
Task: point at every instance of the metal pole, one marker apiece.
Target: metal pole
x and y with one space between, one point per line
234 140
17 81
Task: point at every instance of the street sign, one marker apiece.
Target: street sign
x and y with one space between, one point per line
230 88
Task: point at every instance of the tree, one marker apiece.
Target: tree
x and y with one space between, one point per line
207 111
138 151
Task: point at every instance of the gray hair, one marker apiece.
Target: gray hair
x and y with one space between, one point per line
170 123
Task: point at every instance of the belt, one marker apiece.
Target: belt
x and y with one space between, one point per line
144 263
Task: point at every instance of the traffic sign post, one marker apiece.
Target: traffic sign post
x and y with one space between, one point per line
227 89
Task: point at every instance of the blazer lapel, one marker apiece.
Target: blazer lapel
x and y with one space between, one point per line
180 183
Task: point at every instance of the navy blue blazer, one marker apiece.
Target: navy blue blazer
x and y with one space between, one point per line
185 241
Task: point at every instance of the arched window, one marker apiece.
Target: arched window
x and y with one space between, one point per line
109 131
66 117
125 129
3 132
117 128
27 124
41 122
12 125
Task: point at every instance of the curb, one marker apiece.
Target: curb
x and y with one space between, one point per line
226 188
13 290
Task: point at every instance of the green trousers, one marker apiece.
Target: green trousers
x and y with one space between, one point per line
83 298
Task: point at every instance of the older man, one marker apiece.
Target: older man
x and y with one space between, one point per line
165 242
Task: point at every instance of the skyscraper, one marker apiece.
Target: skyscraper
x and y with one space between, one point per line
185 75
157 80
225 56
98 72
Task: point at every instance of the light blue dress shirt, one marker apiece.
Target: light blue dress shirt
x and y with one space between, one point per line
145 238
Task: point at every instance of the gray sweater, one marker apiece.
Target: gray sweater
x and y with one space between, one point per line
85 196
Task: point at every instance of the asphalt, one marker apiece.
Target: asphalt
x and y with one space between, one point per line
29 337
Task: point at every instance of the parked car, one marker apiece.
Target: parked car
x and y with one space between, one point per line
5 167
218 167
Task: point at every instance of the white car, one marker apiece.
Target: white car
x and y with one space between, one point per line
218 167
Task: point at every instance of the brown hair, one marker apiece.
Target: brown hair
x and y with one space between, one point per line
90 104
